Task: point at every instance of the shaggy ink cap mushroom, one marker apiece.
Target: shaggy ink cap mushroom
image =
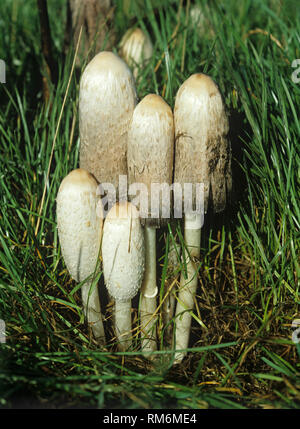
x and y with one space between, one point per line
107 97
150 162
136 48
150 153
123 255
79 223
123 251
203 155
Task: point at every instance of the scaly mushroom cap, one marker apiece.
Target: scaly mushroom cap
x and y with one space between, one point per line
79 223
123 251
107 98
203 153
136 48
150 148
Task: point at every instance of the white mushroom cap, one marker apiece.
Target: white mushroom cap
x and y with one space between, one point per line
196 16
107 98
123 252
79 222
198 21
136 48
203 153
151 147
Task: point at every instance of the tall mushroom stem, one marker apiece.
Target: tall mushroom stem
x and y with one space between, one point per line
149 292
188 286
92 310
169 292
46 42
123 323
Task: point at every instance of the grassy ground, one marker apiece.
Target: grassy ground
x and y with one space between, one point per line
242 354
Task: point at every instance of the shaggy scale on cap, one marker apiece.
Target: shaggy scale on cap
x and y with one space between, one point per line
107 97
203 153
78 222
123 252
151 148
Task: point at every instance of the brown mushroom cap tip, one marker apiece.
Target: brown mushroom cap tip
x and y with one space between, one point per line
201 83
78 178
203 152
122 210
106 62
155 102
136 33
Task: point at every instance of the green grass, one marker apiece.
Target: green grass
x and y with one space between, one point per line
241 351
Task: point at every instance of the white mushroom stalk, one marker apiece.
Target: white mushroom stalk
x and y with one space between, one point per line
136 48
107 97
150 161
203 155
170 288
79 222
188 284
123 254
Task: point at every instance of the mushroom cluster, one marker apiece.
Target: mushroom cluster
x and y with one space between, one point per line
120 137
